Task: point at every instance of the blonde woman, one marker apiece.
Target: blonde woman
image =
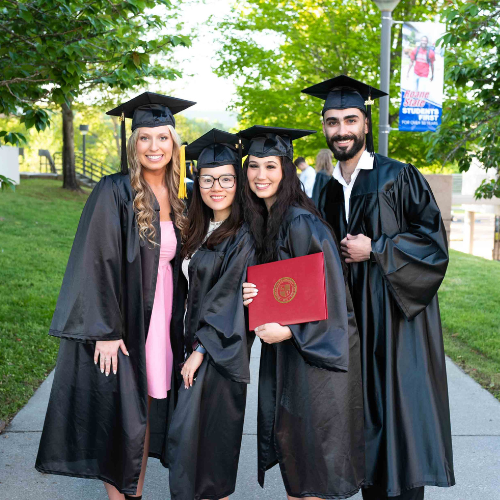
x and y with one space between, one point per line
324 171
121 330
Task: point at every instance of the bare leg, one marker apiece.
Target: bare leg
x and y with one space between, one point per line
140 485
113 493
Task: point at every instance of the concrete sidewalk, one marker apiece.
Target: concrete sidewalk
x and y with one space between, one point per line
475 416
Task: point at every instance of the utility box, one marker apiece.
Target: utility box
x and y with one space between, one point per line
9 163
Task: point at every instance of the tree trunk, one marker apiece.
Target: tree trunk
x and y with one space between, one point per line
68 153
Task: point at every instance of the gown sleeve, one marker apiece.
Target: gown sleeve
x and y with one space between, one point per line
222 328
414 261
323 344
88 307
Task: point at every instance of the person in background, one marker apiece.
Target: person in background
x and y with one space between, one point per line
308 175
324 171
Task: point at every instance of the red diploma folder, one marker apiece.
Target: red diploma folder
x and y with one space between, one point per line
291 291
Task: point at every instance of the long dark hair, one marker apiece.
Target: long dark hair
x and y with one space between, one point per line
265 226
198 220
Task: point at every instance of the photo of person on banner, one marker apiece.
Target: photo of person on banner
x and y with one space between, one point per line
422 63
422 77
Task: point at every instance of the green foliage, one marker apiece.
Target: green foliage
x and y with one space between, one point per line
51 51
103 140
5 182
37 225
14 138
190 129
471 114
277 48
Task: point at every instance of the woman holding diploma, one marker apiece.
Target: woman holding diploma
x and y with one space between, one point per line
207 426
310 417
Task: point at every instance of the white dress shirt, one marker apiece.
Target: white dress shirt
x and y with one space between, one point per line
307 177
365 163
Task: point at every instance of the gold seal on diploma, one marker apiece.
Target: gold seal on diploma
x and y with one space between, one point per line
285 290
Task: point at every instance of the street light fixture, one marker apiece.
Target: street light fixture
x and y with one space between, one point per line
386 6
84 130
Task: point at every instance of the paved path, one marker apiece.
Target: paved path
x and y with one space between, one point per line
475 416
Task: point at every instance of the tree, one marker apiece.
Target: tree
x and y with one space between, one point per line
470 129
53 51
190 129
103 139
278 48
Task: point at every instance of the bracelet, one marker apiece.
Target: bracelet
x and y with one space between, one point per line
198 347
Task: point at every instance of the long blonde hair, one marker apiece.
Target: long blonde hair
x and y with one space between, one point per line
144 197
324 161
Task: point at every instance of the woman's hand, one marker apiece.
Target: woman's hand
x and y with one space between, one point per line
272 333
190 366
108 350
249 291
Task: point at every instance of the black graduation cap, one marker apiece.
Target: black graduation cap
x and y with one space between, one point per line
147 110
343 92
216 148
272 141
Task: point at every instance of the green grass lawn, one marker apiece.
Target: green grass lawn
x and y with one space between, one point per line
37 226
470 312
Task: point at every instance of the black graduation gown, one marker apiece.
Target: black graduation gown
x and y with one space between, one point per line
207 426
310 416
407 420
95 425
320 182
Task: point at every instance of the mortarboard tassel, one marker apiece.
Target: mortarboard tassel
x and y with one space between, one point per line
369 137
182 181
124 161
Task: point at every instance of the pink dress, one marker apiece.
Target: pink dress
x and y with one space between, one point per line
158 349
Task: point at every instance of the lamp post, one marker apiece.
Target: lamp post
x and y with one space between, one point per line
84 130
386 6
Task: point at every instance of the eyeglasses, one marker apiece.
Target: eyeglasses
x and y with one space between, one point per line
225 181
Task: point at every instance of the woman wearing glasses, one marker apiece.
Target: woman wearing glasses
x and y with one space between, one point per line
207 426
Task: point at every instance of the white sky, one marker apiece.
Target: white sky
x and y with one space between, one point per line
212 94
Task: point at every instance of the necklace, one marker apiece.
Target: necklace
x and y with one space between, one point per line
216 223
212 227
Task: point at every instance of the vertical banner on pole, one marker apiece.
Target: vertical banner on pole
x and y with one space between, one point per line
422 77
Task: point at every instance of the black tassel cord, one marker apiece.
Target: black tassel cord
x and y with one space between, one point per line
369 136
124 161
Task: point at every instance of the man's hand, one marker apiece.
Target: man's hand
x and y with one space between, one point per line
272 333
356 248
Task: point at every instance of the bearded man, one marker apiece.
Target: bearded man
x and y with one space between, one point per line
393 238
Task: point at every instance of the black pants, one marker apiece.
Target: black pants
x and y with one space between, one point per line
375 493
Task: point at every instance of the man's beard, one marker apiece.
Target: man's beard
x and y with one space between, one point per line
346 153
